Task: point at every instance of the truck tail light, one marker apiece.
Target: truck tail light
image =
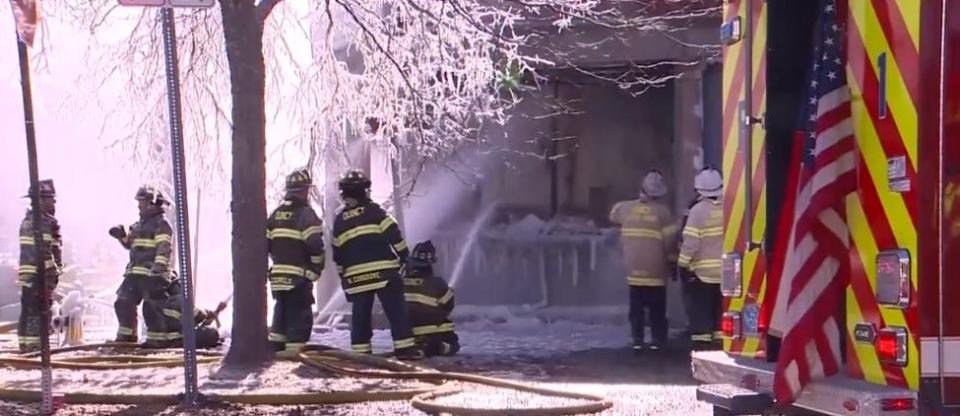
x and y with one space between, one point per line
892 345
730 325
731 276
893 278
893 405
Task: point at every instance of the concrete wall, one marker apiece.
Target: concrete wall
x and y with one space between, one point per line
604 151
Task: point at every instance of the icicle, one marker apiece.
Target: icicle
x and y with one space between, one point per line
477 260
543 277
559 264
593 254
576 265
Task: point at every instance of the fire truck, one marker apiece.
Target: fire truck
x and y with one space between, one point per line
901 327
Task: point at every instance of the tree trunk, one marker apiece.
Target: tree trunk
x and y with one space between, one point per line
243 35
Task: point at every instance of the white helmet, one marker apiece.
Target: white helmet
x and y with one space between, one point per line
709 183
653 184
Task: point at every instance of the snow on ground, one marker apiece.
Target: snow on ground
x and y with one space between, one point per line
526 336
280 377
559 353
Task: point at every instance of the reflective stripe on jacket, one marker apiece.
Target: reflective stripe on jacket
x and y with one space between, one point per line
366 243
702 237
648 239
52 246
429 302
295 244
150 242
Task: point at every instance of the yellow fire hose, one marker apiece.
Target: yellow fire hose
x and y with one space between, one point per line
422 402
325 358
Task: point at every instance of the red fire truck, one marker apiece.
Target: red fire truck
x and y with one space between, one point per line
901 330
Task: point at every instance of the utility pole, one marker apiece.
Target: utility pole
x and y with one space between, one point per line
46 374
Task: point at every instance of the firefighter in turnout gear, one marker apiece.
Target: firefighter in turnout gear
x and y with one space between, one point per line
700 255
648 237
369 251
429 303
147 274
205 335
295 242
31 257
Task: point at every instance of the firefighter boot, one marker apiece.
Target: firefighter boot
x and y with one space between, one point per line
409 354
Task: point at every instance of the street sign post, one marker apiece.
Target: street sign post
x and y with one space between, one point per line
190 393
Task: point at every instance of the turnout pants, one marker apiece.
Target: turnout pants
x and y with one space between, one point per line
292 317
394 306
29 324
151 290
652 300
704 306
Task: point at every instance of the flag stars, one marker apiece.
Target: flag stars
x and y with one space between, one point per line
829 8
832 75
835 27
829 41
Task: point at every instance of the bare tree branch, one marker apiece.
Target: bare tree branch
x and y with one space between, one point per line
265 7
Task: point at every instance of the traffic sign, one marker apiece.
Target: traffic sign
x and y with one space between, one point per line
168 3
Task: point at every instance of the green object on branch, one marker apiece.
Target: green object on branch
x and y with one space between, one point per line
511 76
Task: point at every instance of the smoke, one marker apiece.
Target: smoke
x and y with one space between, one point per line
75 126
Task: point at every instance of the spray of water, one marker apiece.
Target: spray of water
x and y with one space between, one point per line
472 237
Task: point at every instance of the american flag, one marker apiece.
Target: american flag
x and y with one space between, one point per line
816 270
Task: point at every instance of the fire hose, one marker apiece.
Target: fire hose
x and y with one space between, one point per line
321 357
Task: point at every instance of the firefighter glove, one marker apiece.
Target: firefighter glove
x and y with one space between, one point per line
118 232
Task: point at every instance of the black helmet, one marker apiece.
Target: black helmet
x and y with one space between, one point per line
299 180
354 183
422 257
151 195
47 189
425 251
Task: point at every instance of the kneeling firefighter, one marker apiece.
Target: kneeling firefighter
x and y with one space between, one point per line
700 258
206 336
295 244
429 303
147 274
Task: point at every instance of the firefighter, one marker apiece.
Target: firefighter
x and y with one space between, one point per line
31 300
295 243
147 275
369 251
700 256
429 303
205 335
648 236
